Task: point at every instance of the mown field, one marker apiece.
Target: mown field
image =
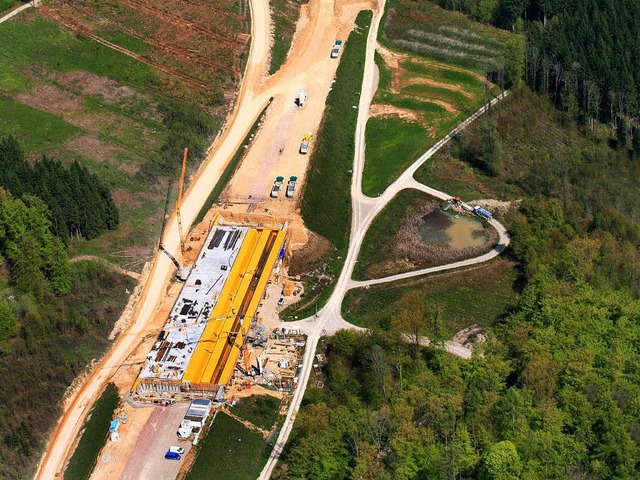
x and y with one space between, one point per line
70 97
326 201
425 89
261 410
230 450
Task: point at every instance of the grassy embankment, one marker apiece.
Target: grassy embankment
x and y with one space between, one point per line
261 410
480 295
231 168
232 450
7 5
285 15
96 430
425 88
326 202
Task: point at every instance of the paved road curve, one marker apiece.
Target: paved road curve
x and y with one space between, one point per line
365 209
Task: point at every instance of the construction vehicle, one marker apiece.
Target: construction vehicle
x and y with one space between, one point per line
301 98
335 50
481 212
277 186
291 186
306 141
182 269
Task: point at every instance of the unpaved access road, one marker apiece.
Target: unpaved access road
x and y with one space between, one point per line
323 20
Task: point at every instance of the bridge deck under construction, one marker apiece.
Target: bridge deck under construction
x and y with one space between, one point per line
203 336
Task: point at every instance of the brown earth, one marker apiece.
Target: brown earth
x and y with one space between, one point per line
385 110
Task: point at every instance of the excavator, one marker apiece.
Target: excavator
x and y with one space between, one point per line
182 270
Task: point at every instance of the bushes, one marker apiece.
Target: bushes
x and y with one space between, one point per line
188 127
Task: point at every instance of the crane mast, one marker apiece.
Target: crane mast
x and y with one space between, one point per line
179 204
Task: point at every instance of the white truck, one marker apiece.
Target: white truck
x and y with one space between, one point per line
301 99
277 186
291 186
335 50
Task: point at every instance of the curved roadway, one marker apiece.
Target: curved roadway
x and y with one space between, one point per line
329 319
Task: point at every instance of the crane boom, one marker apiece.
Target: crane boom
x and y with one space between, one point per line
179 203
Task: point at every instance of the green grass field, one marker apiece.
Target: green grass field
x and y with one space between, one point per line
42 43
230 451
7 5
38 131
96 429
439 90
261 410
480 295
392 145
326 206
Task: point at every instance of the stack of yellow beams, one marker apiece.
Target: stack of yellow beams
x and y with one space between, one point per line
208 353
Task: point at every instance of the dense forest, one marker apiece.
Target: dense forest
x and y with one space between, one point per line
78 204
583 53
556 391
54 317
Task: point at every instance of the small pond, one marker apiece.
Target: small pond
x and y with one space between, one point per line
440 227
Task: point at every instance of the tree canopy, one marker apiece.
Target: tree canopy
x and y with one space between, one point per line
79 205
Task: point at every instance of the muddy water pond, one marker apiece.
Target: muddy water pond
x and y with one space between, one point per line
438 228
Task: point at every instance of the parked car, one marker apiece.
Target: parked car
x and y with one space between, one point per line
176 449
281 301
172 456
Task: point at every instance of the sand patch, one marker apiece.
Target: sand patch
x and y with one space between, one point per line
384 110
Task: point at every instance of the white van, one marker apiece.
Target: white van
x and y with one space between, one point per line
176 449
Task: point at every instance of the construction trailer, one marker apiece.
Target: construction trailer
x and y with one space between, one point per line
198 348
195 418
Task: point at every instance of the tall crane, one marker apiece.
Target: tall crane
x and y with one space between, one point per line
179 204
182 270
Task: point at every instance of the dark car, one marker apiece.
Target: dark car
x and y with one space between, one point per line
172 456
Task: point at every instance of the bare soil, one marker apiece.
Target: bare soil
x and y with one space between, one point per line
385 110
306 258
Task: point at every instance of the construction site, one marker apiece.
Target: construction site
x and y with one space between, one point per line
206 333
